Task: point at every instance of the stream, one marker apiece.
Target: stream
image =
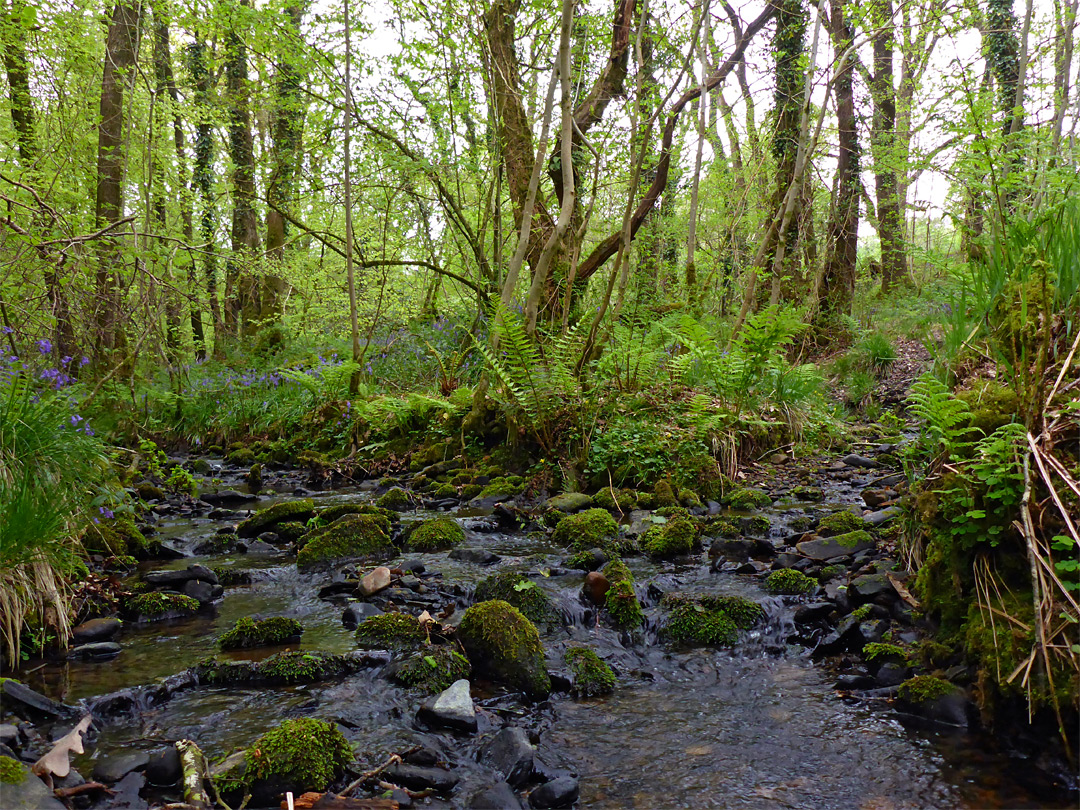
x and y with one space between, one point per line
758 725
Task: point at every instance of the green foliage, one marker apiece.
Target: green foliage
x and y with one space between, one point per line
591 675
944 419
182 482
789 581
875 352
262 633
303 754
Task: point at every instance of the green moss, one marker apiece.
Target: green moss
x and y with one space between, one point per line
470 491
875 650
263 633
992 405
123 562
622 605
302 754
151 606
723 527
746 499
348 536
503 642
288 667
12 772
461 478
815 494
830 572
520 591
438 534
332 513
396 499
860 613
290 531
114 537
433 668
924 688
242 457
228 576
593 528
148 492
503 487
591 674
583 560
694 623
646 500
853 539
743 612
789 581
802 523
393 630
622 501
841 522
444 491
297 511
757 525
673 538
664 495
689 498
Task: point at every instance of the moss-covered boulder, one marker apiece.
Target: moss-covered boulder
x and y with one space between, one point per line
303 754
348 536
432 668
331 513
114 537
290 531
391 631
672 538
503 487
691 622
248 632
593 528
503 644
790 582
806 493
590 675
689 498
156 607
298 511
569 501
619 500
747 499
149 492
842 522
438 534
664 495
520 591
395 499
290 667
620 601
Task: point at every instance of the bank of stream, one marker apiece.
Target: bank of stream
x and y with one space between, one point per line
759 724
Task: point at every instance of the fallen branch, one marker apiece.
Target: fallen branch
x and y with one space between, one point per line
193 766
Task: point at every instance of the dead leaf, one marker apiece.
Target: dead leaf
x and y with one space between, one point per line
58 761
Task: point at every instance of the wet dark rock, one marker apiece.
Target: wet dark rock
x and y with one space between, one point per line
476 556
596 587
854 681
813 612
269 537
9 734
953 709
592 560
892 674
855 460
874 498
499 796
95 630
416 777
561 792
127 793
416 566
204 592
869 587
203 574
357 612
511 754
224 514
737 549
113 704
424 757
881 516
451 709
837 593
873 631
96 651
113 768
30 793
164 766
827 548
340 588
168 579
227 496
25 701
787 560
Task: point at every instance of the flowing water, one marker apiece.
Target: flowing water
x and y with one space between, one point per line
756 726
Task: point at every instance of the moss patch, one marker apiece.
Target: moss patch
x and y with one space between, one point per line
12 772
593 528
507 486
671 539
789 581
433 668
348 536
262 633
332 513
694 623
842 522
282 668
436 535
393 630
664 495
875 650
520 591
395 499
591 674
621 602
624 500
296 511
303 754
115 537
746 499
158 606
924 688
501 641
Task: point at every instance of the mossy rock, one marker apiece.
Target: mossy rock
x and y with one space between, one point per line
570 502
331 513
201 466
624 500
747 499
790 582
396 499
992 406
298 511
433 668
290 531
674 538
803 523
505 487
249 632
301 755
664 495
853 539
241 457
812 494
586 560
438 534
519 591
12 772
348 536
501 642
290 667
114 537
924 689
689 498
229 576
756 525
620 601
646 500
590 674
391 631
879 652
470 491
593 528
149 492
722 527
691 622
743 612
444 491
841 522
157 606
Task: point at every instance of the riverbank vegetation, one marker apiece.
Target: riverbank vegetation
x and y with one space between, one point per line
516 251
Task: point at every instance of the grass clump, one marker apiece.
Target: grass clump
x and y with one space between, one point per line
395 630
519 591
438 534
502 642
790 582
248 632
303 754
591 674
593 528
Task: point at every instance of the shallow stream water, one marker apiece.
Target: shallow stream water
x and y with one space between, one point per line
756 726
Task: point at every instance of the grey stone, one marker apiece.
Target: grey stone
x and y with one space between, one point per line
869 586
357 612
855 460
203 591
510 753
499 796
891 674
167 579
826 548
452 708
813 612
569 502
33 702
97 651
203 574
114 768
226 496
561 792
29 794
9 733
95 630
127 793
477 556
420 778
881 516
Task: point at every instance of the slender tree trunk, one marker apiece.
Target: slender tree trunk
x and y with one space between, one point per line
354 322
243 302
692 291
882 141
120 47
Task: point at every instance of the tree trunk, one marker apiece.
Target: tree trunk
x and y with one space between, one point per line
243 306
120 46
288 132
837 287
882 139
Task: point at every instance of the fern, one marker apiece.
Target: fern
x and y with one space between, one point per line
945 419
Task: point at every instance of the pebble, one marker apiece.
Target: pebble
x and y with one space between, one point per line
596 587
451 709
374 581
420 778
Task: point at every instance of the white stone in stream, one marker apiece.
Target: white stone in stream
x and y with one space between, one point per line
452 708
374 581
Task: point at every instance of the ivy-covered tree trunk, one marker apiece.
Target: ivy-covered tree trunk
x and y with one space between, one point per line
243 306
1004 60
120 47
